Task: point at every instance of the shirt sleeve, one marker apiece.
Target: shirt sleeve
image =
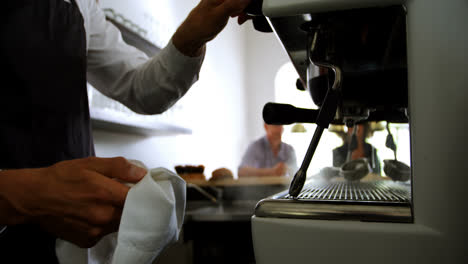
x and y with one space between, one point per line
126 74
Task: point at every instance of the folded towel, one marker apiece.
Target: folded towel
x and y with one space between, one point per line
152 217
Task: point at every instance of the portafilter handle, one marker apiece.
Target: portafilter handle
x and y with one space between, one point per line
286 114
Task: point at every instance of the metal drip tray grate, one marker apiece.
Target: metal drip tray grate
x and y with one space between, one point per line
361 191
381 201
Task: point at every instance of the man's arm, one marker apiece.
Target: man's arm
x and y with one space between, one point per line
150 86
78 200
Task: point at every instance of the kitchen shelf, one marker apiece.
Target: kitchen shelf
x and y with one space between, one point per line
114 121
134 39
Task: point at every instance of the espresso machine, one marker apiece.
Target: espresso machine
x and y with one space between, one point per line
380 60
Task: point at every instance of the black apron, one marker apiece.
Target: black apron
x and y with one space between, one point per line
44 115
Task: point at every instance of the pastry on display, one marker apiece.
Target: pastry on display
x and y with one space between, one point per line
221 174
190 172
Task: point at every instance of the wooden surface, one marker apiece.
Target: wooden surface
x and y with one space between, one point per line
243 181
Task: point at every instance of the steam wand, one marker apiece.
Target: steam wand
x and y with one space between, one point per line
324 118
299 178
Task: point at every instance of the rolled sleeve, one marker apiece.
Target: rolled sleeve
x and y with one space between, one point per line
165 78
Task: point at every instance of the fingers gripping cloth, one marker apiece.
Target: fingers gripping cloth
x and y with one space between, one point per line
151 220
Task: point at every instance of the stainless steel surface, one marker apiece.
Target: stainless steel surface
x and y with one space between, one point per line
382 201
376 191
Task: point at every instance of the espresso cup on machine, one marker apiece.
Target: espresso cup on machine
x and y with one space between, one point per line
397 170
355 170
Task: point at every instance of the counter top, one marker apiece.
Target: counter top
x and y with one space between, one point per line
243 181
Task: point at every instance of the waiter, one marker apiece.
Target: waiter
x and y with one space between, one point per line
50 184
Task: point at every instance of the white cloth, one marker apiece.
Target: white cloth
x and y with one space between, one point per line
120 71
152 217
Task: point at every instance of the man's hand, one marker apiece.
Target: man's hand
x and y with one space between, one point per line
280 169
205 22
78 200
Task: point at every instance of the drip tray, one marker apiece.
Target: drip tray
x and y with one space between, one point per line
376 201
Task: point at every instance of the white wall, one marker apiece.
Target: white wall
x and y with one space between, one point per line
224 107
264 57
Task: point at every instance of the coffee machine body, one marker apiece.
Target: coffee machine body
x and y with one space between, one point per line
437 90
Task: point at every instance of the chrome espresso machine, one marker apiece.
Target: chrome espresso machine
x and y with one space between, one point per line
380 60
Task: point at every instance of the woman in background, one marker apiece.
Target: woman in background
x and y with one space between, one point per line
362 150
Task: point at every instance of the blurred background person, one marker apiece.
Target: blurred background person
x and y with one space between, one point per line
269 155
